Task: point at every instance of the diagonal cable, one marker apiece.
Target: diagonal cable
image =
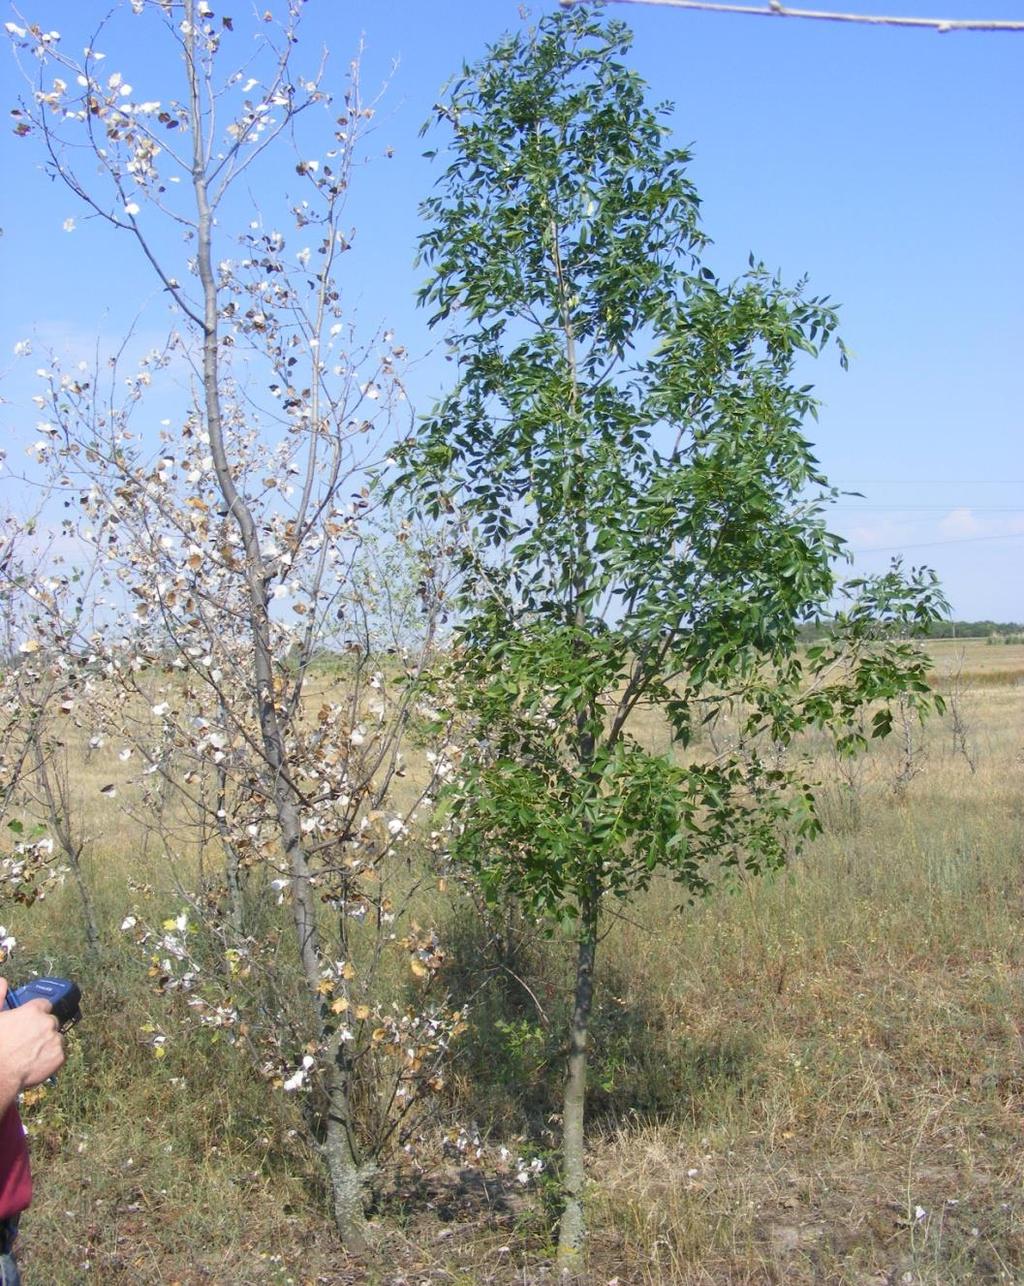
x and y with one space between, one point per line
774 9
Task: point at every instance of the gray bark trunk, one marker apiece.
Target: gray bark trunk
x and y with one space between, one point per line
573 1229
92 933
348 1177
232 863
58 809
345 1174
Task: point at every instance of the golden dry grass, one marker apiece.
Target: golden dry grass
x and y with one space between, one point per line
817 1078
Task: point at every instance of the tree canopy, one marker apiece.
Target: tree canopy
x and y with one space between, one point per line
625 445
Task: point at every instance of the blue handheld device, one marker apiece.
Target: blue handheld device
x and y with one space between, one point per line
63 994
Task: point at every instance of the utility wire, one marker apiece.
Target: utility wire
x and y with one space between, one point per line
777 10
932 544
926 509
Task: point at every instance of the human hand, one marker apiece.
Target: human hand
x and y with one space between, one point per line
31 1046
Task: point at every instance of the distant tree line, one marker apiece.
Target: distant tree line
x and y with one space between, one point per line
1000 631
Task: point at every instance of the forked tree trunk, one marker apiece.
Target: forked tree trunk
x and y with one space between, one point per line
572 1229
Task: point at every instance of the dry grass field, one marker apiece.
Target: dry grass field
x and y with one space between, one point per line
813 1078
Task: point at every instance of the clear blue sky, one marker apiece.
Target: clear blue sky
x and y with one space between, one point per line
886 164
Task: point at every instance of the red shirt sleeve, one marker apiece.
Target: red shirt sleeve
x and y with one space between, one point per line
15 1178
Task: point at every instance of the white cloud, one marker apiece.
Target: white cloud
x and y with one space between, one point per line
960 522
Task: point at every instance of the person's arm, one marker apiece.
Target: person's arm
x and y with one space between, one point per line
31 1047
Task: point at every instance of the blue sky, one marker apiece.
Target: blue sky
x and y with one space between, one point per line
886 164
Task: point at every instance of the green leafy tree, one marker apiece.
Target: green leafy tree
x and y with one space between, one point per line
624 440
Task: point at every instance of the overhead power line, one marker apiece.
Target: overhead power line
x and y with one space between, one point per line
925 510
932 544
774 9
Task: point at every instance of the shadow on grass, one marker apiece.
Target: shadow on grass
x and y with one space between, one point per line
458 1193
517 986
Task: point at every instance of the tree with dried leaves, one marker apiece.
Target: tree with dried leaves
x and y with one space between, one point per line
233 550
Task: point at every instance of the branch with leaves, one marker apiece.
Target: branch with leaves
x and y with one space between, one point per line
647 519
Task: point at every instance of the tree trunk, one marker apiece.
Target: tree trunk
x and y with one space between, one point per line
57 798
348 1177
345 1174
572 1229
92 933
232 861
233 879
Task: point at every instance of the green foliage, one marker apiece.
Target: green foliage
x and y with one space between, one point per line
625 445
